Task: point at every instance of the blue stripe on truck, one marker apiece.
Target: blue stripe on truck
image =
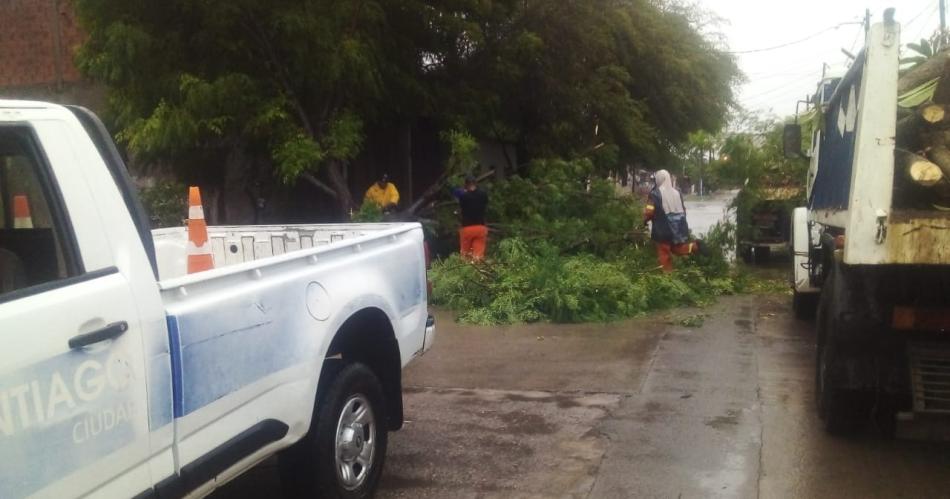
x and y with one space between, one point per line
174 345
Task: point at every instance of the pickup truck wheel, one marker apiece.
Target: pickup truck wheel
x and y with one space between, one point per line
343 455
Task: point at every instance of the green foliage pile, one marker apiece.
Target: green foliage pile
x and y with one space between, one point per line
525 282
566 205
566 248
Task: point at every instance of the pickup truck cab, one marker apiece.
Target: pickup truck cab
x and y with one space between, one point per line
123 376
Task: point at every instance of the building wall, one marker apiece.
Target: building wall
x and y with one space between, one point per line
38 40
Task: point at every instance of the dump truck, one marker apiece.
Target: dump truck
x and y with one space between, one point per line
872 251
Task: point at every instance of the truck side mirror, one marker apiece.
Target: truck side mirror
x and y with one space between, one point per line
792 141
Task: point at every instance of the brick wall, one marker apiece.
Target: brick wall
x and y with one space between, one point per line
37 41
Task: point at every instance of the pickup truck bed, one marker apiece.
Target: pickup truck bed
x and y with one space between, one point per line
124 376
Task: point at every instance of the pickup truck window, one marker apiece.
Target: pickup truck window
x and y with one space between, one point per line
32 226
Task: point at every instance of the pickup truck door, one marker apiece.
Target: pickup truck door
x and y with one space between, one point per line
73 405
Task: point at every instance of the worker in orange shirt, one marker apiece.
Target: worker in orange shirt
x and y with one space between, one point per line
383 193
667 212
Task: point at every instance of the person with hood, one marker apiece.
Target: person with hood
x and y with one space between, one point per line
669 231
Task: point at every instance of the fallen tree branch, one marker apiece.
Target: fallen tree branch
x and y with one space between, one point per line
319 184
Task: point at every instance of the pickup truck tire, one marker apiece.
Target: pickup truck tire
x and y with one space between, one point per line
342 456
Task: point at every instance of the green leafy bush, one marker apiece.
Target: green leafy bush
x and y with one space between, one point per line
369 212
564 204
166 203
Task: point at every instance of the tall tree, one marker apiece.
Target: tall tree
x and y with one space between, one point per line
296 80
293 84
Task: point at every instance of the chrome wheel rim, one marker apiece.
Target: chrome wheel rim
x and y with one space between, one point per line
355 442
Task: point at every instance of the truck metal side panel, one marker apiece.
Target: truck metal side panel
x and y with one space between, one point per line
836 153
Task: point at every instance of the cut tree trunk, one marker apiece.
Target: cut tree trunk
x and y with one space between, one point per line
920 129
909 133
942 92
924 72
940 155
920 170
932 113
935 138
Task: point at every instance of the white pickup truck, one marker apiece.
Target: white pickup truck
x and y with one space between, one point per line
122 376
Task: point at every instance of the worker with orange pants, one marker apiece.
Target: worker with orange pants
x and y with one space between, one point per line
473 236
667 212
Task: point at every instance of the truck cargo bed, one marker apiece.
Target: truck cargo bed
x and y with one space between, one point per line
232 245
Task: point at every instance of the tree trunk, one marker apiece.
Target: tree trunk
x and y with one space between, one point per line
909 130
932 113
338 182
236 207
942 92
918 130
924 72
433 191
918 169
405 154
940 155
935 138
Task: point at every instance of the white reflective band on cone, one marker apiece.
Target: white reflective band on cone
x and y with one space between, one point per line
194 249
196 212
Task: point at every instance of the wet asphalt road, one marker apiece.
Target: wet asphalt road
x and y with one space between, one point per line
642 408
706 211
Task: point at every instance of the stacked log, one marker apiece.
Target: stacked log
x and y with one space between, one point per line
922 154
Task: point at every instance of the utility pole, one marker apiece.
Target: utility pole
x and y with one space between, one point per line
943 17
867 24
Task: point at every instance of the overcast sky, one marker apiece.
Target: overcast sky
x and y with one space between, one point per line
778 78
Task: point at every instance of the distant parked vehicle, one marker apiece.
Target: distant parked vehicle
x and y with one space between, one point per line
765 226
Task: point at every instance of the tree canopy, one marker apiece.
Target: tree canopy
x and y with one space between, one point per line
296 83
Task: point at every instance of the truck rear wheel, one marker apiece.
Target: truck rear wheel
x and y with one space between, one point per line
835 407
343 455
842 410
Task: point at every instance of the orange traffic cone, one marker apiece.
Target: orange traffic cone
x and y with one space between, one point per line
199 249
21 212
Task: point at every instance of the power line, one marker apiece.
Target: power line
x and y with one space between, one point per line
770 76
924 27
776 47
929 10
854 44
795 82
784 95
